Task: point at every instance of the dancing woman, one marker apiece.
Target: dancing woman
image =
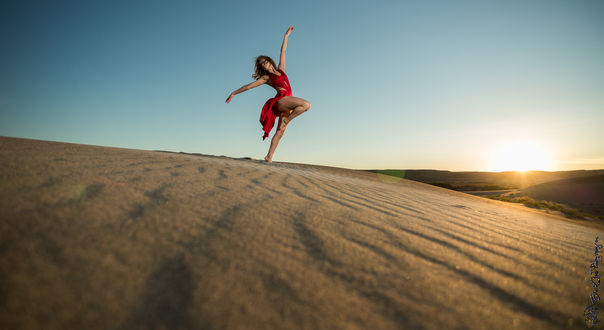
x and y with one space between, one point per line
284 105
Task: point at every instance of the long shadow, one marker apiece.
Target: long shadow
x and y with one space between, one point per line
312 243
165 298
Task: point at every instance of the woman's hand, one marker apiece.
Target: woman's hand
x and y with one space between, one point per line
229 98
289 30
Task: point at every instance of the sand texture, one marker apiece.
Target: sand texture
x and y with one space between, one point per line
107 238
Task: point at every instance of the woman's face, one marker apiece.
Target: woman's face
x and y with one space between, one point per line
266 65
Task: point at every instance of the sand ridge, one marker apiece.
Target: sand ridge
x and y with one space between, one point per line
100 237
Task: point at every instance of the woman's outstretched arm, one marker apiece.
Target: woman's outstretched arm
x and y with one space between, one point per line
249 86
283 47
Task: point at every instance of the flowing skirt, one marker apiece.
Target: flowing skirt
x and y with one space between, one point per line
269 112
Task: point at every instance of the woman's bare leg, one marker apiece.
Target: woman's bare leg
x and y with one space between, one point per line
290 108
297 111
276 138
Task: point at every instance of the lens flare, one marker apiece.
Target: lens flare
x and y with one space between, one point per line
390 176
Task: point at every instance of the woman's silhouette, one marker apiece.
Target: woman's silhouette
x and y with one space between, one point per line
284 105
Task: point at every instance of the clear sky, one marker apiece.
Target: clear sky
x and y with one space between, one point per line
448 85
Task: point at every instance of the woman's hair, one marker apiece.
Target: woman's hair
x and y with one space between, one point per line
258 69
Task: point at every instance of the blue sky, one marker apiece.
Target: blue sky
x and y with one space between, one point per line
393 84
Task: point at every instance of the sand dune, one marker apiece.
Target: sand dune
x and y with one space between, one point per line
98 237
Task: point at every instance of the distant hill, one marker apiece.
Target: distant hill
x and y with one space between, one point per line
487 180
583 193
582 189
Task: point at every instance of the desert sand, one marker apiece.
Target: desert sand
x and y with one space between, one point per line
98 237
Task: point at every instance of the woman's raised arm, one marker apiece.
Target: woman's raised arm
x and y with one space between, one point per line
283 47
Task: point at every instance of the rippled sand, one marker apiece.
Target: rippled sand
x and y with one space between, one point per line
97 237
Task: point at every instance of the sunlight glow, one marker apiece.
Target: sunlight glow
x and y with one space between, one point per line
520 155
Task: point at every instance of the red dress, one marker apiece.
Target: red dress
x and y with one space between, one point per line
269 111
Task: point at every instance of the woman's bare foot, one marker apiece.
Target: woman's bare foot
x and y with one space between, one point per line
268 159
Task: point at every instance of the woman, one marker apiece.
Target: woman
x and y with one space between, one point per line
284 105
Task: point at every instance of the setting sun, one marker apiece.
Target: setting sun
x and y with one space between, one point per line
520 156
